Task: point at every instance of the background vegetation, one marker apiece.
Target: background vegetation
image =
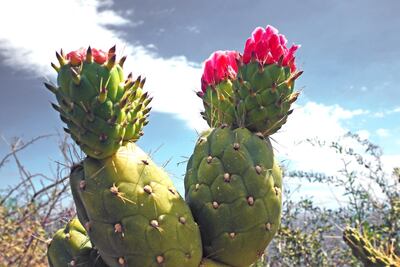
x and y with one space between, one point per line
310 235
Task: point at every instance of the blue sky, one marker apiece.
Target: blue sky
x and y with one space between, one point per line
350 56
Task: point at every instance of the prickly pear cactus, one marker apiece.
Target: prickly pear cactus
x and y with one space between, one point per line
71 247
364 251
101 108
133 213
233 187
255 90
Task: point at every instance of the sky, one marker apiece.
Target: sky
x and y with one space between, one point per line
349 54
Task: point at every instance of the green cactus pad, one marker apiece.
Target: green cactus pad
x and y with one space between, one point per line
233 187
258 99
102 110
218 104
264 96
71 247
133 213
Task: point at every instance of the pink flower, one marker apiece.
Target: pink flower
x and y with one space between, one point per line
76 57
219 66
267 46
99 56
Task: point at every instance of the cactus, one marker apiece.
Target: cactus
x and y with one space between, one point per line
133 213
102 110
364 251
71 246
233 187
233 183
129 206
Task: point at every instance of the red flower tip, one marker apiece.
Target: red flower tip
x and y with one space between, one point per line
76 57
219 66
99 56
267 46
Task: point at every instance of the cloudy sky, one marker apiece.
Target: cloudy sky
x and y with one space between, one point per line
350 57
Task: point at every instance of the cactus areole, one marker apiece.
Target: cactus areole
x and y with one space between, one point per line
254 90
103 110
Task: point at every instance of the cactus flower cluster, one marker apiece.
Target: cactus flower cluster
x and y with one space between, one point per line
129 212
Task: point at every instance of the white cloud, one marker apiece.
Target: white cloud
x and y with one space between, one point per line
381 114
383 132
364 134
313 120
72 24
193 29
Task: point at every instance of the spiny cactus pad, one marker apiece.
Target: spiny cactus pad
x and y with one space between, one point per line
101 108
255 90
70 246
365 252
233 187
133 213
